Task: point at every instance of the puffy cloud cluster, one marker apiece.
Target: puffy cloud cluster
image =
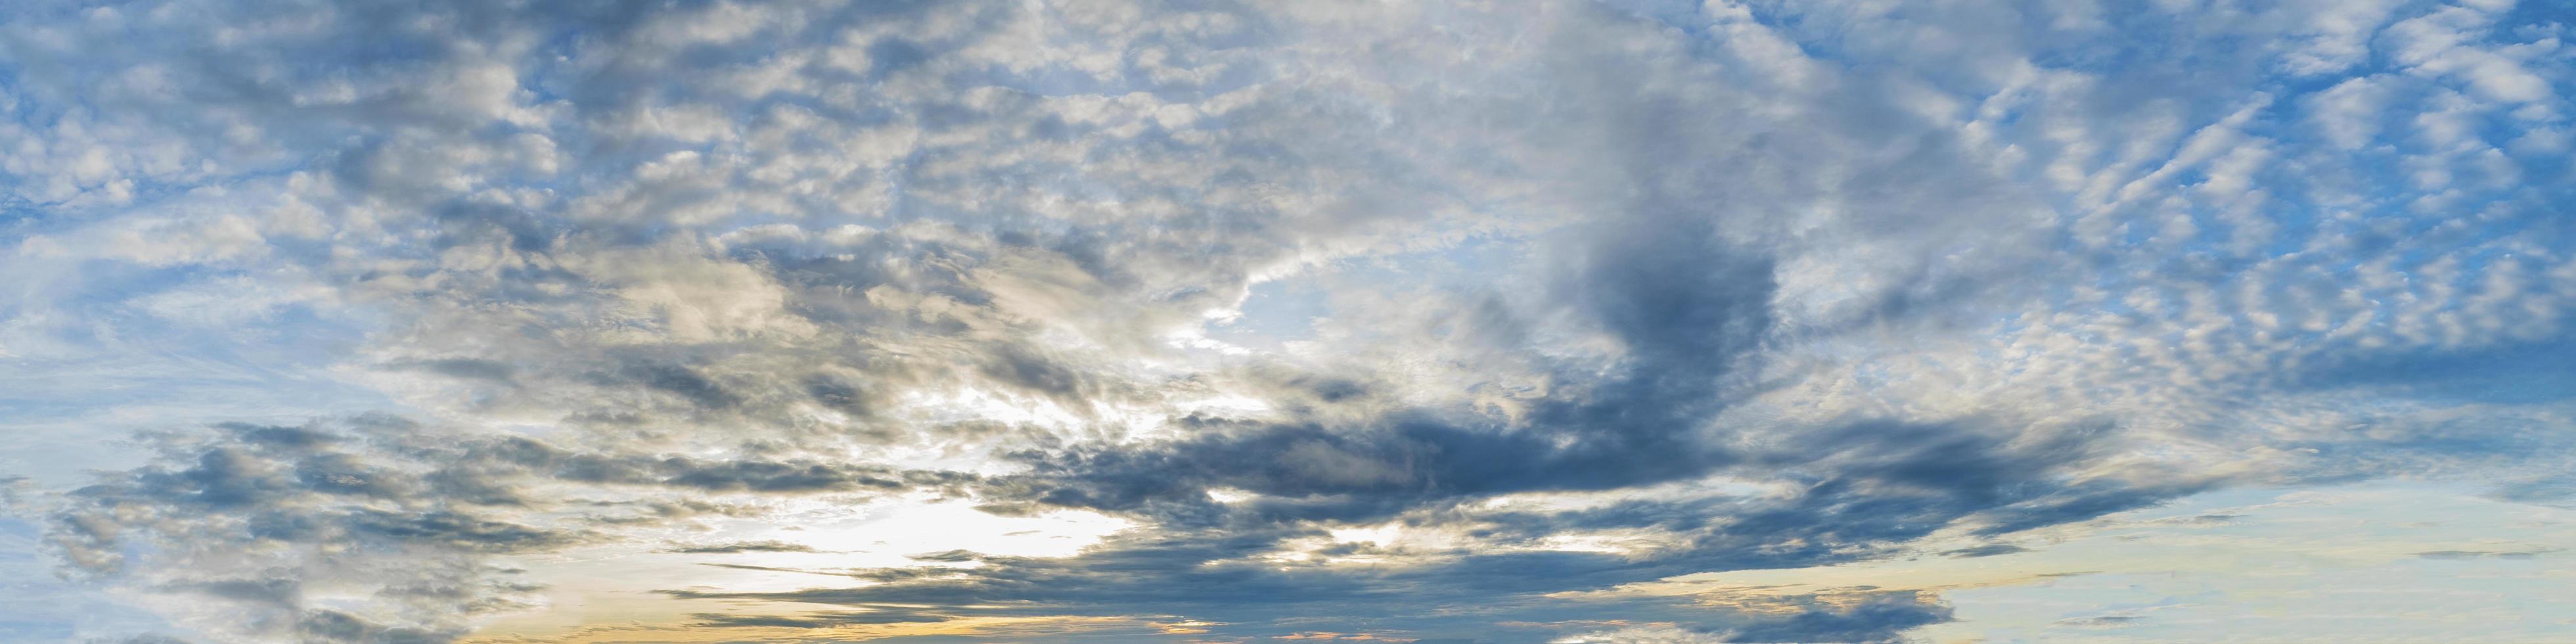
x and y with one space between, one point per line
1404 320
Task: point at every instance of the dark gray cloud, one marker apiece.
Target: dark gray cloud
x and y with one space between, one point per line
741 546
1988 550
1252 599
2099 621
1879 618
814 620
1864 497
2478 554
427 508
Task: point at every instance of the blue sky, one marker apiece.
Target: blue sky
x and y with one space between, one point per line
1584 321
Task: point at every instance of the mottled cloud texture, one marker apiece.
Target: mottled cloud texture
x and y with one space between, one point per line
1119 320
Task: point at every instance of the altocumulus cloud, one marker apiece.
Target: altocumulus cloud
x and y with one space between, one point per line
1445 321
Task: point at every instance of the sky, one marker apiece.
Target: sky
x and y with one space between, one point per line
1443 321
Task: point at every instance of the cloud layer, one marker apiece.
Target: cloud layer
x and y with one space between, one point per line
1446 321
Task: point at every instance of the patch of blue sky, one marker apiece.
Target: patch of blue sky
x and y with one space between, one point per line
2383 561
1285 309
159 348
38 605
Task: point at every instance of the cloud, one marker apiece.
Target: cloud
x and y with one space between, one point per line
230 520
1347 312
742 546
813 620
2098 621
2471 554
277 518
1987 550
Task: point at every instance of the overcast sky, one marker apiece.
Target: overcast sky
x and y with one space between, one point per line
513 321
